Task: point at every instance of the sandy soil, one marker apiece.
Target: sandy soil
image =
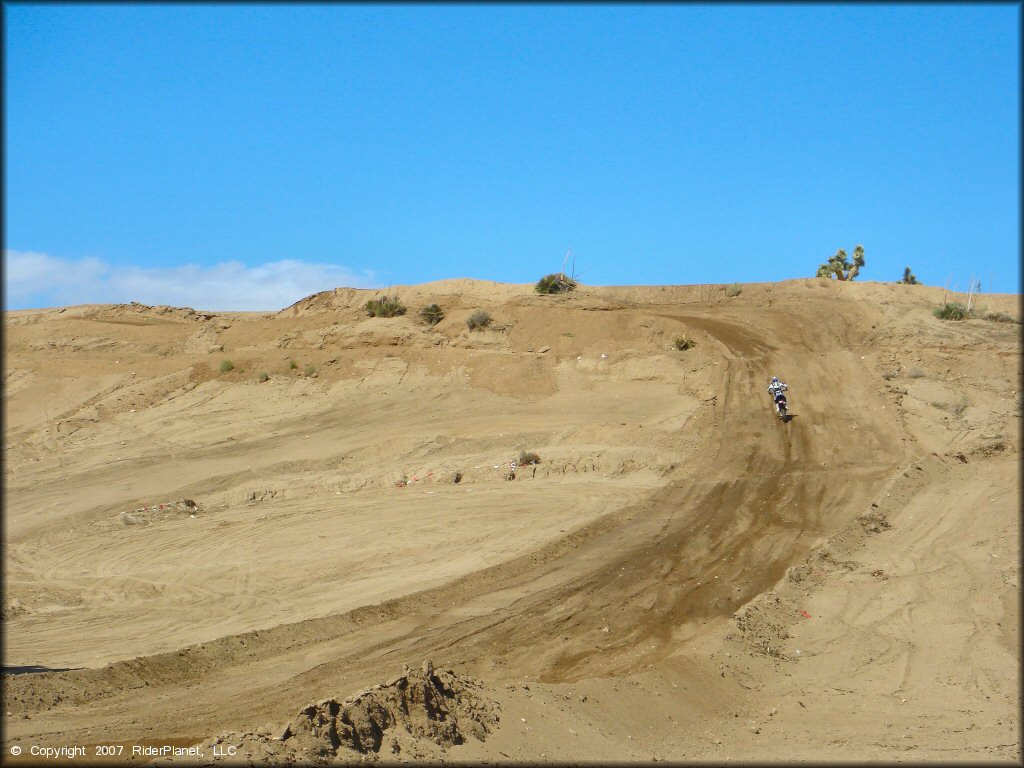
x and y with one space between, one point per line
681 577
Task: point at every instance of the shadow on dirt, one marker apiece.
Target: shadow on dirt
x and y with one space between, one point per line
34 669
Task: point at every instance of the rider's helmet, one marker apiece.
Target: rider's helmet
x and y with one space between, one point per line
775 379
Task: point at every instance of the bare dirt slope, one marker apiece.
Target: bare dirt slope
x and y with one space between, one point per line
681 577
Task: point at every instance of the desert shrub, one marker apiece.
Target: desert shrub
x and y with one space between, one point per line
528 457
226 365
556 283
478 319
309 370
1000 317
955 407
839 266
432 314
683 342
915 373
958 406
264 376
385 306
733 289
908 278
457 477
951 310
292 365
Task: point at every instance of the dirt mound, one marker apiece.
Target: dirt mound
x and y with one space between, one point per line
456 290
433 705
418 715
119 311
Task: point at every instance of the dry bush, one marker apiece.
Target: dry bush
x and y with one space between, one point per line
958 406
478 319
955 408
432 314
386 306
1000 317
556 283
733 289
683 342
528 457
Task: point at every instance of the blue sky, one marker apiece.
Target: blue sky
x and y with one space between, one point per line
244 156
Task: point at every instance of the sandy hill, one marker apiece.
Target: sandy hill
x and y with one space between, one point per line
252 530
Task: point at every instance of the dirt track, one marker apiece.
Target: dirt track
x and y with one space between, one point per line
646 565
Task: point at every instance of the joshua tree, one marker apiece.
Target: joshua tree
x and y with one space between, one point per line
908 278
839 267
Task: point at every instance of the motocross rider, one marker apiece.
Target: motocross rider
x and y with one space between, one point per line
776 388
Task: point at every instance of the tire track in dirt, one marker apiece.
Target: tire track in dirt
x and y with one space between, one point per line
654 571
740 518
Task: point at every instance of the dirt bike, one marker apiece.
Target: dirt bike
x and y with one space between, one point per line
781 406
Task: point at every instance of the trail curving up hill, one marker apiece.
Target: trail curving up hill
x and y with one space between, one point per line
660 543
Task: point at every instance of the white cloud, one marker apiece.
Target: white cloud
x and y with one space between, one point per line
40 280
